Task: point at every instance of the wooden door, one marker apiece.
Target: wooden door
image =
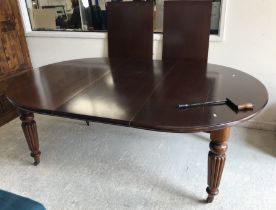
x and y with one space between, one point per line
14 55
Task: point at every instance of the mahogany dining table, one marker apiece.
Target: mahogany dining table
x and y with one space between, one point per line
142 94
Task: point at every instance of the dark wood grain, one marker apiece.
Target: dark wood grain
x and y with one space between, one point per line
14 55
30 132
139 93
122 92
130 29
14 51
194 81
216 160
186 29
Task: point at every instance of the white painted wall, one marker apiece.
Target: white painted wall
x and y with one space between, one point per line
249 45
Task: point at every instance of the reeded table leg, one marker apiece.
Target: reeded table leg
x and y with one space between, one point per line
216 160
30 132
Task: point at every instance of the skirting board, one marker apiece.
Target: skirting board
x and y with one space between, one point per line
261 125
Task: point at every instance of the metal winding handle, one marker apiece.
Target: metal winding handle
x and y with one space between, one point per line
208 103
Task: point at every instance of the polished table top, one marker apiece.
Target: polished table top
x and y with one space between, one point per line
139 93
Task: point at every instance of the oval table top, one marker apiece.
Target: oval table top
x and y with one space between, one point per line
139 93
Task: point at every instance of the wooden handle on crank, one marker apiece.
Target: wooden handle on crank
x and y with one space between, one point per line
245 106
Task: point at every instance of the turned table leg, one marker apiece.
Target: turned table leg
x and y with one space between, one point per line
30 132
216 160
